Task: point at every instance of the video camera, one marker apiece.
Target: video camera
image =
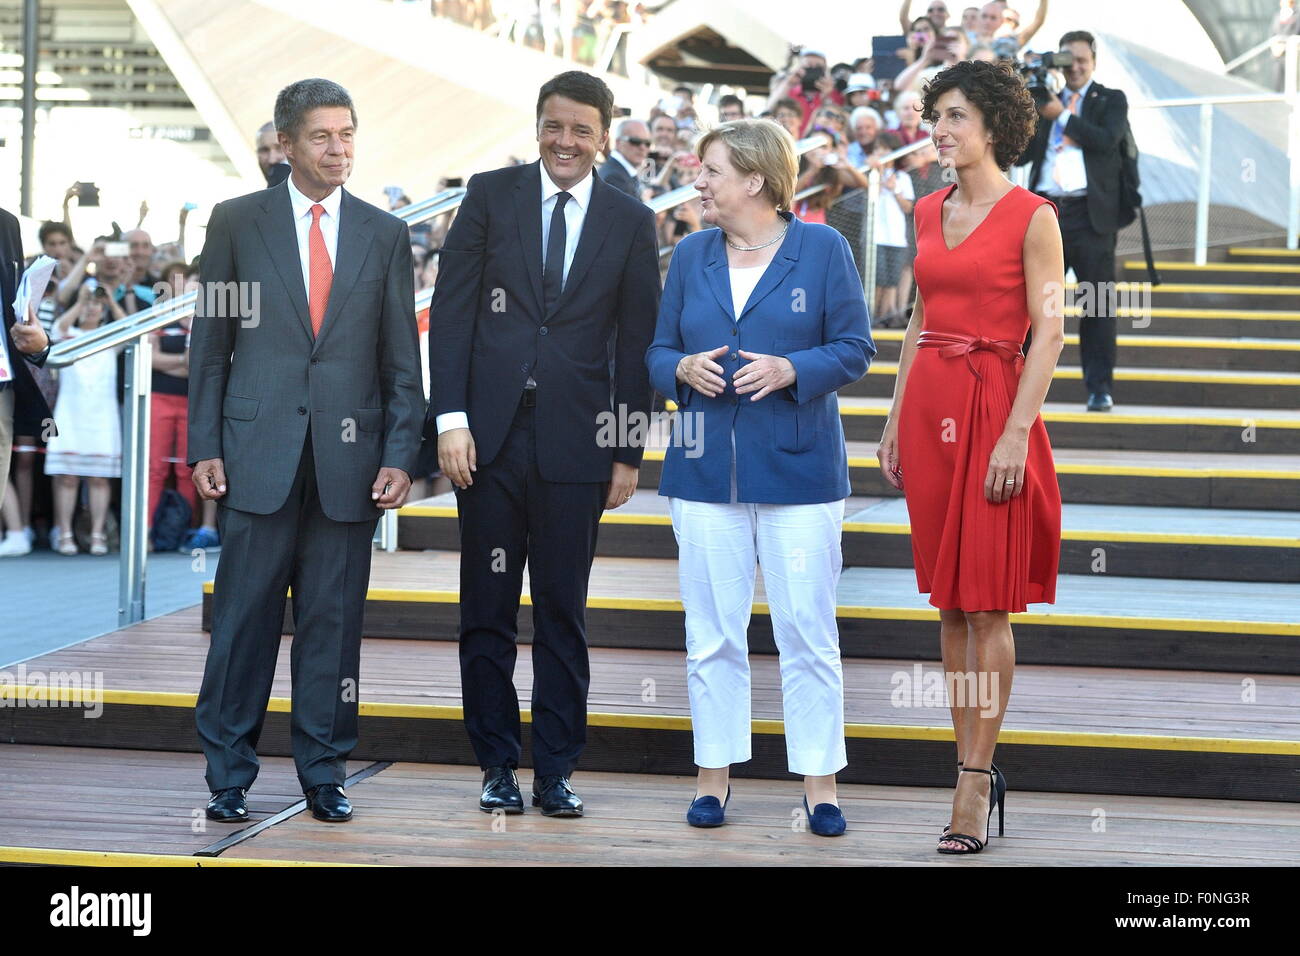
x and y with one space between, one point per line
1034 69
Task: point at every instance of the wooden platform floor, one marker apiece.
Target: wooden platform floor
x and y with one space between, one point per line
425 814
167 654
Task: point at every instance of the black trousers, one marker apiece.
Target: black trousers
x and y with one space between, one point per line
327 563
1091 255
511 515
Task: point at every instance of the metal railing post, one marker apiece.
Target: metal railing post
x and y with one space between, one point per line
1203 190
869 238
135 482
1293 141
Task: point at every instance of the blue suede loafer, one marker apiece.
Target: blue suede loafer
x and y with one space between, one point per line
825 820
707 811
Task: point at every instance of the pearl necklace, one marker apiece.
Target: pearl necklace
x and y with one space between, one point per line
761 245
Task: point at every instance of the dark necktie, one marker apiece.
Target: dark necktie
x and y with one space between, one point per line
553 271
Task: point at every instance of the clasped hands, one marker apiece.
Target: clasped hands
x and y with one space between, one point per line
764 374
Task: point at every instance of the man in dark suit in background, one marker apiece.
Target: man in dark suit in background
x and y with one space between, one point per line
23 410
542 266
631 147
1075 154
304 421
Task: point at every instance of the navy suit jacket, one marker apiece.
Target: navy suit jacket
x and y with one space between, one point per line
809 307
614 173
31 413
488 330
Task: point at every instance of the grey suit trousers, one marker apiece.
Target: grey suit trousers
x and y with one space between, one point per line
327 564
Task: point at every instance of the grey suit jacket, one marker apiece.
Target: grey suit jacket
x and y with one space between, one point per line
258 381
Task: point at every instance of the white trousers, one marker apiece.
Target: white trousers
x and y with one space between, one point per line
798 547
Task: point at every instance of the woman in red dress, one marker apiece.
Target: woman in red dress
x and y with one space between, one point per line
964 440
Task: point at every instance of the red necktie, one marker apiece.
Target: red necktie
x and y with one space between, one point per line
320 269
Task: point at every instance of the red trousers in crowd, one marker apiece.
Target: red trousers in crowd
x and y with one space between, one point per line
167 450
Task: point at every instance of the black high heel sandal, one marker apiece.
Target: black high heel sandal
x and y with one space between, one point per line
997 795
1002 785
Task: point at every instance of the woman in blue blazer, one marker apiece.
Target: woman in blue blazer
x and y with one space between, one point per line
762 319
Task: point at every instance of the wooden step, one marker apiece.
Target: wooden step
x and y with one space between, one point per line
1127 540
1264 254
1216 273
1249 318
1160 351
1247 431
426 814
1213 388
1071 729
1100 476
1101 620
1132 290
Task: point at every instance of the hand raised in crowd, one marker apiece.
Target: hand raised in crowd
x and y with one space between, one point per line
764 374
701 373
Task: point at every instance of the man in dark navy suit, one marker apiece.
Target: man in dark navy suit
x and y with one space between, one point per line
1076 161
544 265
23 410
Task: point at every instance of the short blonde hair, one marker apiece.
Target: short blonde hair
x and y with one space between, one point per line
758 146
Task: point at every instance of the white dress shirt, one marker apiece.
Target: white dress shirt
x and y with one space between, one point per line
575 214
329 227
1067 162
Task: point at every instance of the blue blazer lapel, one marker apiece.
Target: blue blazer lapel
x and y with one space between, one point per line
716 270
528 217
281 240
355 237
786 256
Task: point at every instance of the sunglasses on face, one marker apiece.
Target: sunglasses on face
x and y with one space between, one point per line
636 141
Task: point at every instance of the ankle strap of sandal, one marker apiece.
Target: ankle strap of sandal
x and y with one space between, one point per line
974 770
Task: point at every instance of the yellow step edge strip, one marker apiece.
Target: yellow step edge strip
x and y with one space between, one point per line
856 612
1263 251
1280 268
1206 377
43 856
1172 312
1049 738
1151 341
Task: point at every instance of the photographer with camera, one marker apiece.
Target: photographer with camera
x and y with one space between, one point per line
1075 157
809 84
948 47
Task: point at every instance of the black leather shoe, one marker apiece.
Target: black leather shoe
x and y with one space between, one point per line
501 791
1100 402
228 805
328 803
554 794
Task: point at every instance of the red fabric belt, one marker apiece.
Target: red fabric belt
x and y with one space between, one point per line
952 344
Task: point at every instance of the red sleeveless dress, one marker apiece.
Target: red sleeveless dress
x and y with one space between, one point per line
971 554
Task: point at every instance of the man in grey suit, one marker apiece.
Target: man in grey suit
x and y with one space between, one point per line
305 411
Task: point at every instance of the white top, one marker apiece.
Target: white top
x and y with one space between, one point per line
743 281
891 221
1063 170
575 213
329 227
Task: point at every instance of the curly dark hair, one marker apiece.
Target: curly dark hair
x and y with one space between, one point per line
1006 106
